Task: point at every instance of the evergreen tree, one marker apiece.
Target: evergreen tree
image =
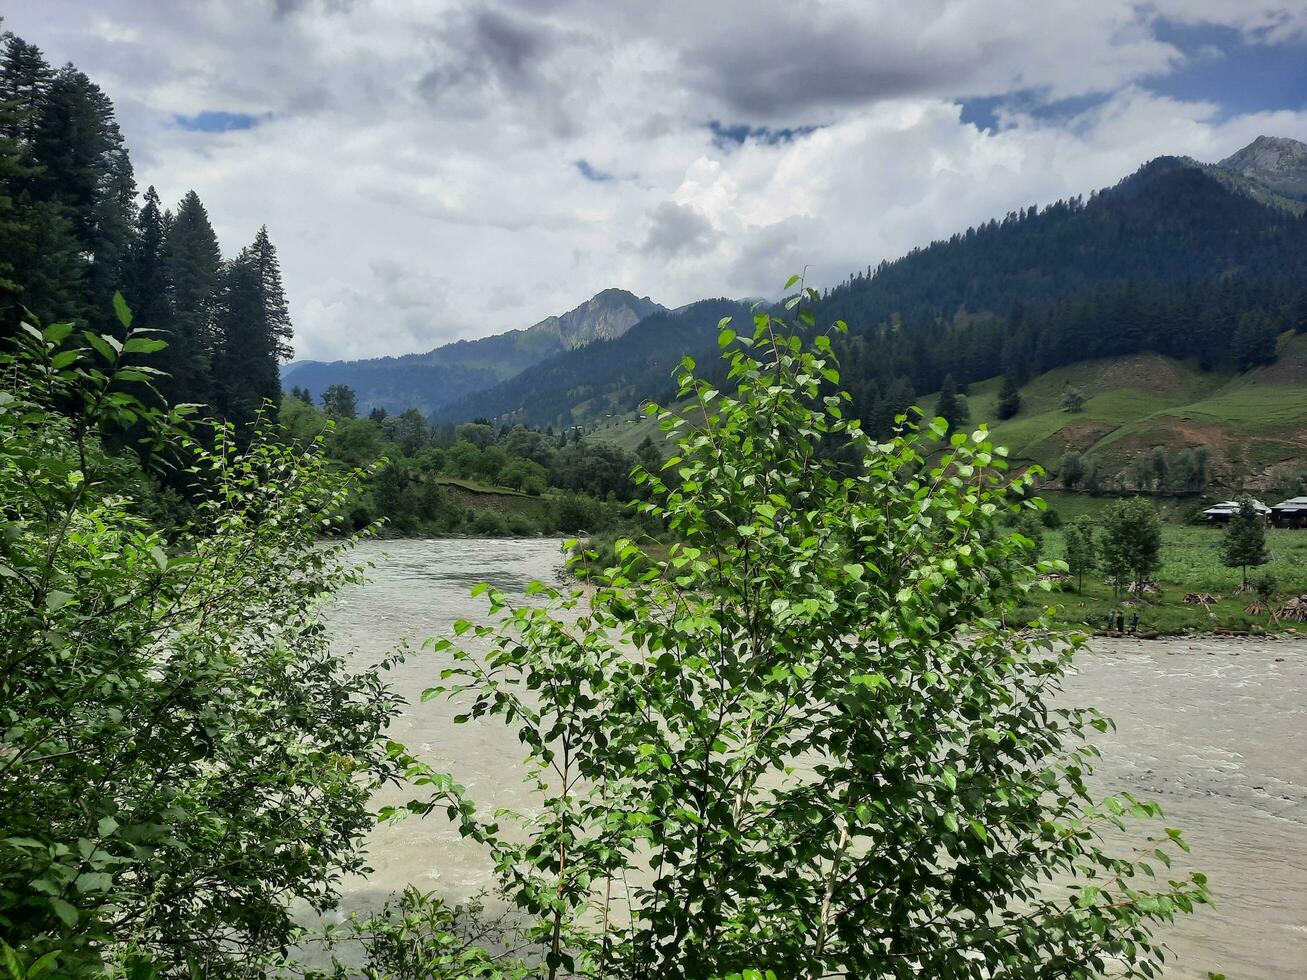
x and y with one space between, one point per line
146 286
245 375
1009 398
191 264
951 406
272 293
1244 542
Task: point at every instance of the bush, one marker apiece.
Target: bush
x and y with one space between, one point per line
809 720
182 758
491 523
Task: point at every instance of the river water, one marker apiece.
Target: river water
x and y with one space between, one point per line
1215 730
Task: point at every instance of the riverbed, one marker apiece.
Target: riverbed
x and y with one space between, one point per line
1215 730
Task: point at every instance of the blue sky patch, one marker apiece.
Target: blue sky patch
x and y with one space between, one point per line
214 121
725 135
590 172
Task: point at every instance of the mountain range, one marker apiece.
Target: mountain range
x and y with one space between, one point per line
1193 261
431 380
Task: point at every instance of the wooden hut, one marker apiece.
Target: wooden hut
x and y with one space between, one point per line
1290 513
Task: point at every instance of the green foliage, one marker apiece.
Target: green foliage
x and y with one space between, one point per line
1073 400
806 736
1009 398
951 406
182 758
1244 542
339 402
1081 551
1071 469
1132 541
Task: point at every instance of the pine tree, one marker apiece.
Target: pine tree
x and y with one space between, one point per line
191 265
245 376
145 285
1244 542
273 294
1009 398
339 402
951 406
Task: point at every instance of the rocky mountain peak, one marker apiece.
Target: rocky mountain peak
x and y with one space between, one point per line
1278 162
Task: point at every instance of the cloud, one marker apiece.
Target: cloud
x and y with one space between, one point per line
675 230
437 170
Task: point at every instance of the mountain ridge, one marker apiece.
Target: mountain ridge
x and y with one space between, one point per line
429 379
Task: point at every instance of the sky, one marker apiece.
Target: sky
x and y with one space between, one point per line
432 171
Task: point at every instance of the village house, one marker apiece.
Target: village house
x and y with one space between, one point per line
1219 515
1290 513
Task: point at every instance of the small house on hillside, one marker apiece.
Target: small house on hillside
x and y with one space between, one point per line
1219 515
1290 513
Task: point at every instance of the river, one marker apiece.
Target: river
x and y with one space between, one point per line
1215 730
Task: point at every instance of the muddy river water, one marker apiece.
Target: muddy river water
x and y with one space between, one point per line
1215 730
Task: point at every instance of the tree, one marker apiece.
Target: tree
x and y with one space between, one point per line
807 613
1071 469
272 295
1073 400
185 761
1132 542
246 381
339 402
409 430
192 264
1081 551
1009 398
1243 544
951 406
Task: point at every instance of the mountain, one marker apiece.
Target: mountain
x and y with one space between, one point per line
1276 162
431 380
604 379
1180 263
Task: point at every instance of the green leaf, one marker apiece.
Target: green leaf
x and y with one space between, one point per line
57 333
67 914
120 308
143 345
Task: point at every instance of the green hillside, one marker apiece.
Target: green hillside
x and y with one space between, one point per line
1251 423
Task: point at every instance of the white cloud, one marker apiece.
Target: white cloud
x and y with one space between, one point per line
416 166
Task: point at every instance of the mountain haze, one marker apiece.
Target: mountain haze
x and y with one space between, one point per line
431 380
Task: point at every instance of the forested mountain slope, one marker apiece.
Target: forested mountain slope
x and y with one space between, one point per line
606 378
1173 259
431 380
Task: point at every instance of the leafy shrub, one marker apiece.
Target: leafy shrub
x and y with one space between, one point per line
806 738
181 756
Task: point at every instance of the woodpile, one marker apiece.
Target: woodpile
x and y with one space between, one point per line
1204 599
1294 610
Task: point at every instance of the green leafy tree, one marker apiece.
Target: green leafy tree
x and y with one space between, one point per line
1131 545
339 402
1009 398
1081 551
1073 400
1243 544
246 382
951 406
183 760
805 737
1071 469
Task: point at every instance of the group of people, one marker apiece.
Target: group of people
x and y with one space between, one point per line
1116 621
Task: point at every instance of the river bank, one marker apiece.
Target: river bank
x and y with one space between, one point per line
1215 729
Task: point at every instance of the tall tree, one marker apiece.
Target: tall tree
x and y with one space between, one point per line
272 294
191 263
340 402
1132 542
245 377
146 282
1009 398
951 406
1244 542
